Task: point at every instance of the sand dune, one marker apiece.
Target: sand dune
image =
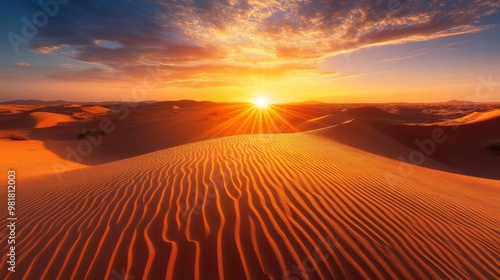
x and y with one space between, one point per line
32 159
288 206
155 126
46 119
98 110
30 116
477 117
464 149
324 121
14 109
369 112
72 106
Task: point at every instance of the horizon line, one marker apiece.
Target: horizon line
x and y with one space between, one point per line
17 101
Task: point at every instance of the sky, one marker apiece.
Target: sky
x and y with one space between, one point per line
234 50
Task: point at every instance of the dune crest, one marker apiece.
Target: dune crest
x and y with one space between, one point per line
47 119
477 117
97 110
33 159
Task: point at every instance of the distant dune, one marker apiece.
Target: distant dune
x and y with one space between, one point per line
45 119
459 102
95 110
14 109
476 117
464 149
33 102
368 112
155 126
257 207
324 121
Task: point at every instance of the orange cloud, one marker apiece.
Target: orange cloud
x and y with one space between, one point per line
23 64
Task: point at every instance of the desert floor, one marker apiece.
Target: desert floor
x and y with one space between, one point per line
201 190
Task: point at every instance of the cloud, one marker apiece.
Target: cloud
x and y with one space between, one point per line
23 64
329 73
187 37
92 74
453 46
44 49
350 76
66 65
413 55
356 75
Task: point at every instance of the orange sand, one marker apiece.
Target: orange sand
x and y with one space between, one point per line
330 203
95 110
31 159
45 119
254 207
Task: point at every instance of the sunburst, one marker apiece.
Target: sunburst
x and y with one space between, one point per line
261 102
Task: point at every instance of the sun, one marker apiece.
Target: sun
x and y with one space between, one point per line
261 102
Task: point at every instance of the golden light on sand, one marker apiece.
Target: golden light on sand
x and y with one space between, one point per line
264 188
261 102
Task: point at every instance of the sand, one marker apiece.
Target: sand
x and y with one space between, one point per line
14 109
477 117
46 119
32 159
258 207
98 110
187 194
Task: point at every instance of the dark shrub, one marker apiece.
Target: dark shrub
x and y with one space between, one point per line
494 147
87 132
18 137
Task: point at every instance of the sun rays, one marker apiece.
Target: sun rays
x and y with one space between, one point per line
250 118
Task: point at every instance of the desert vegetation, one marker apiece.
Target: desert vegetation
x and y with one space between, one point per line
89 132
18 137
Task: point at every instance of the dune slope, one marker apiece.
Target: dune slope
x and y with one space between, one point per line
47 119
290 206
95 110
477 117
32 159
463 149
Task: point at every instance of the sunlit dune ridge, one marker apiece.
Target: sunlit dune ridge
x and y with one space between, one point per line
478 117
257 207
47 119
95 110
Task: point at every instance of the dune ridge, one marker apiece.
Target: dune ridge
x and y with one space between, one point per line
257 207
47 119
99 110
480 116
33 159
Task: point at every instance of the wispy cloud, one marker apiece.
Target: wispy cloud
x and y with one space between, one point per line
413 55
91 74
23 64
454 45
356 75
329 73
66 65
